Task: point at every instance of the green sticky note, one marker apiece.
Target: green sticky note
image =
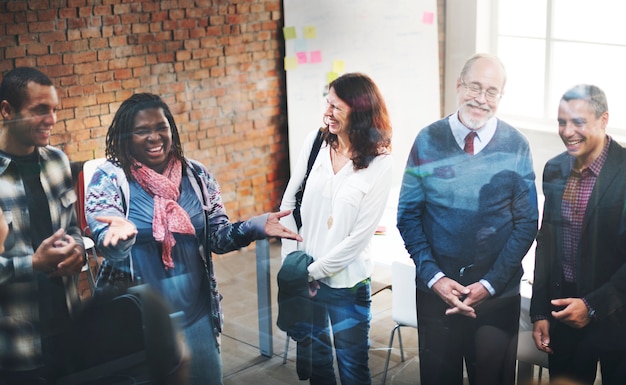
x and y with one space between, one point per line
289 33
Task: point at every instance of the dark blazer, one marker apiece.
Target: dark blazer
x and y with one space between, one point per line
601 259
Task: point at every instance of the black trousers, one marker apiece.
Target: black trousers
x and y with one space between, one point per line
577 351
487 344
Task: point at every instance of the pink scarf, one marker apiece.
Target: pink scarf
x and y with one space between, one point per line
169 217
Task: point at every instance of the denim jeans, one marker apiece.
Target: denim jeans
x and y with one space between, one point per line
348 313
205 366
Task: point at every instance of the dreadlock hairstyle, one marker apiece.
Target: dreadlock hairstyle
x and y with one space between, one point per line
369 127
118 136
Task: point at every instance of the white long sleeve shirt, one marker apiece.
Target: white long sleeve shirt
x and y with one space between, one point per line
355 199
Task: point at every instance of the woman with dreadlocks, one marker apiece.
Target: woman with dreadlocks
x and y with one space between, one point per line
154 212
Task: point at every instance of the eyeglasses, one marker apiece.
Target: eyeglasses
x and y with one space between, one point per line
474 91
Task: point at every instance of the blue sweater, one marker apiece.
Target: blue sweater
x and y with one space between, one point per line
469 217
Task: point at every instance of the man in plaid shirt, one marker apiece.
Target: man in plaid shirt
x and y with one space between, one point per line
43 250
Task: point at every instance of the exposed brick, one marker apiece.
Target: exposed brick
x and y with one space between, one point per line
50 37
216 62
16 28
43 26
14 52
90 68
48 60
81 57
26 39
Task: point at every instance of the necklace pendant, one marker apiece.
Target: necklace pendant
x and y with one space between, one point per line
329 222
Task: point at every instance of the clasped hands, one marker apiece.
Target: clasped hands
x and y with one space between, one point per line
59 255
462 299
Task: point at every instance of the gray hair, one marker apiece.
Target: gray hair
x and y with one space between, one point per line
591 94
477 56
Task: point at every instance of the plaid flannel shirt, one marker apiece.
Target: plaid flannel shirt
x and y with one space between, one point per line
20 342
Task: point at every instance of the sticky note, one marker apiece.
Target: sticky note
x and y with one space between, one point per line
316 56
300 45
428 17
310 32
331 76
291 63
338 66
302 58
289 33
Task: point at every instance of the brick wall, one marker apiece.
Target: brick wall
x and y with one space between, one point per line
217 63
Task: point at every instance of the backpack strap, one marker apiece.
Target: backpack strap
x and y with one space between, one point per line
317 144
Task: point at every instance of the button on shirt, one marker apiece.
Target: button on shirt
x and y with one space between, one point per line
578 189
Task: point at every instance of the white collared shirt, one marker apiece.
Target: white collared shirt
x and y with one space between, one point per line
484 133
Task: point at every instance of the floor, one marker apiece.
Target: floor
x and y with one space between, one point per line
243 362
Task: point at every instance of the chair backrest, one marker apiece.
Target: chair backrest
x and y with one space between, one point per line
403 307
528 352
90 167
84 178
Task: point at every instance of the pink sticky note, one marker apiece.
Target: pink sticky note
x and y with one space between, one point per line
302 59
316 56
428 17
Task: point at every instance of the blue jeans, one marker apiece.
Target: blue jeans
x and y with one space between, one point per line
349 313
205 366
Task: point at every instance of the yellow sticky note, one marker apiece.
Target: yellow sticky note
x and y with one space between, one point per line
289 33
310 32
331 76
338 66
291 63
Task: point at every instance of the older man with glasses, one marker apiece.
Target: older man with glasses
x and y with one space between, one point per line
468 215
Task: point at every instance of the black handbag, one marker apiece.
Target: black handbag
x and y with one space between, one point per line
317 144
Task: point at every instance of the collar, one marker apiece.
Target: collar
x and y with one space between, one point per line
460 131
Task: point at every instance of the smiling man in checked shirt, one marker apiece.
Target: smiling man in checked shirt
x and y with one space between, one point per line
43 248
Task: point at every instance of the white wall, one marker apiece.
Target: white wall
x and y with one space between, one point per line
395 42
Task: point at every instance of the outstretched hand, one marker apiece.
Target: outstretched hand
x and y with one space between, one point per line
120 229
273 227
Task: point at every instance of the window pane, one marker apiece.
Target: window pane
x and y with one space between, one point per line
524 90
599 21
601 65
522 18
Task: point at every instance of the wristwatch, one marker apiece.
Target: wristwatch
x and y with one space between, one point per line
591 312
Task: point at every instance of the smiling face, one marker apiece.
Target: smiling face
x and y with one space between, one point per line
337 114
32 125
582 132
151 138
475 109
